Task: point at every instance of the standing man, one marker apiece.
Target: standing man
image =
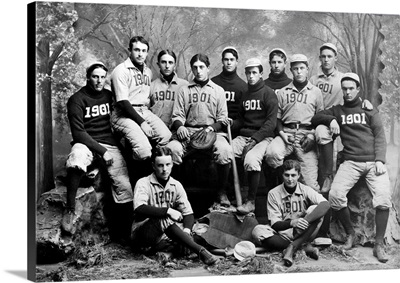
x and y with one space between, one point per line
364 154
229 80
297 104
277 78
295 212
160 202
256 123
201 106
163 91
89 117
130 82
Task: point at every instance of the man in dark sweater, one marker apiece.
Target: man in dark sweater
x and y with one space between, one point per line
364 155
89 117
277 79
229 80
256 123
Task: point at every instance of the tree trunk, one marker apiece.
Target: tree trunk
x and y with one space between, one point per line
44 127
392 127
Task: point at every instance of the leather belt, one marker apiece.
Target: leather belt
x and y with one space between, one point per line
298 126
138 105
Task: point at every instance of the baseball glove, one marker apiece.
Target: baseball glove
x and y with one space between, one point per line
307 143
203 139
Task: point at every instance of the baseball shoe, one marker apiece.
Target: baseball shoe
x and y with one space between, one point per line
311 251
68 220
288 255
379 252
326 186
223 200
207 257
349 242
247 207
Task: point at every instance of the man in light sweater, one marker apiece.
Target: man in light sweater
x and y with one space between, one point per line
364 155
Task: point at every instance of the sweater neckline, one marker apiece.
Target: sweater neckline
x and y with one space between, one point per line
256 87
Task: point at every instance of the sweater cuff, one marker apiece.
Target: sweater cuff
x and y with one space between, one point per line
176 125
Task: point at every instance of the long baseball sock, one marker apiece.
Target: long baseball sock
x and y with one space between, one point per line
326 160
253 178
223 175
275 242
381 220
176 234
300 239
344 218
324 229
74 177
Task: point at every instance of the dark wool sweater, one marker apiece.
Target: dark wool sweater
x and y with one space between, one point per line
277 81
89 118
361 131
258 112
234 88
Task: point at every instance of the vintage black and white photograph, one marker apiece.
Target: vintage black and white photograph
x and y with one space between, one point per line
171 141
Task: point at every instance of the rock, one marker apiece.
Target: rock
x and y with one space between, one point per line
363 218
52 245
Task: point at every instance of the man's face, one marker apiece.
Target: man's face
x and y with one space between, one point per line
97 79
229 62
166 64
277 65
162 166
299 71
253 75
290 178
328 59
200 71
350 90
138 52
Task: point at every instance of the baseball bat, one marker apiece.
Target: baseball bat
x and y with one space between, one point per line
236 183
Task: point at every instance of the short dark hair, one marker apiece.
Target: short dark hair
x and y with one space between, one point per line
230 50
291 164
200 57
277 53
90 70
138 38
166 51
160 151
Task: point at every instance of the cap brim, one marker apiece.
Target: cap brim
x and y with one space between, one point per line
237 256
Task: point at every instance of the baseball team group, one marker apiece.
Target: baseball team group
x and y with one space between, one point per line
294 125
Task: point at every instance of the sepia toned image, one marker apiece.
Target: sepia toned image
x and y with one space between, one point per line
176 141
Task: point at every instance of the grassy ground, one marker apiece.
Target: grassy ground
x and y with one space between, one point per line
116 262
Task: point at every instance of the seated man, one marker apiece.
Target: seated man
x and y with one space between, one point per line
130 82
297 104
364 154
296 212
256 123
89 117
201 106
159 202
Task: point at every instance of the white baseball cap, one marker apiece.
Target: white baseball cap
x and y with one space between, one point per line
299 58
278 50
253 62
97 63
352 76
229 47
328 45
244 249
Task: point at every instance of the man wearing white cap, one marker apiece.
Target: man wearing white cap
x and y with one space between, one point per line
89 117
277 78
361 159
229 80
256 124
298 102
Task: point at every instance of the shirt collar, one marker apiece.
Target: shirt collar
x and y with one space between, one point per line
129 64
154 181
296 192
210 83
174 79
291 86
321 73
